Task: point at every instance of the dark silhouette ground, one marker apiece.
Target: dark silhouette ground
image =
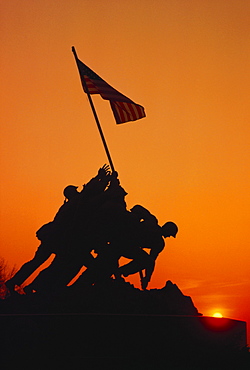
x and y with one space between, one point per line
115 326
111 296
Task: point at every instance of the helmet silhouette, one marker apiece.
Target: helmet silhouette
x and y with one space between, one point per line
169 229
70 191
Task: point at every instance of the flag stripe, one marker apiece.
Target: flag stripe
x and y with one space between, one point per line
126 112
106 91
124 109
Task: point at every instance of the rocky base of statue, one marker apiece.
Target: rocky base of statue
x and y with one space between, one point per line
114 325
110 297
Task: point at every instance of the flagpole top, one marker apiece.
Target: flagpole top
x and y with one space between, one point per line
74 51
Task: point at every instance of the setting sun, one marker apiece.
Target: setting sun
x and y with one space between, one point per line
217 314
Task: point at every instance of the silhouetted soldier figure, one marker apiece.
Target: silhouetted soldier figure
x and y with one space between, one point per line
75 250
149 236
52 235
127 233
107 228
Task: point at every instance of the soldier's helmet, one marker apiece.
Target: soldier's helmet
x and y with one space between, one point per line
70 191
169 229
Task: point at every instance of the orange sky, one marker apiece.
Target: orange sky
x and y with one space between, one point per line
187 63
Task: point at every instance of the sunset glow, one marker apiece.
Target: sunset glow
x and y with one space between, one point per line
187 161
217 314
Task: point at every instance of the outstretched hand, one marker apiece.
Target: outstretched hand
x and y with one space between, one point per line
104 171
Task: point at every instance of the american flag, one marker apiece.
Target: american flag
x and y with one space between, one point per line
123 108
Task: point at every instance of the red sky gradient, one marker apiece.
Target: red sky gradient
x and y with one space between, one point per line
187 63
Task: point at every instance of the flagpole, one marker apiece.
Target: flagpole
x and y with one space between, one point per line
96 117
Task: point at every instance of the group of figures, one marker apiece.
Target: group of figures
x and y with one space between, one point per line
95 219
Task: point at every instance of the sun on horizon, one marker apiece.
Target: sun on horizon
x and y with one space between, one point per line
218 315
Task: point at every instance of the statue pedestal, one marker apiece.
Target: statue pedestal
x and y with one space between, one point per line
103 339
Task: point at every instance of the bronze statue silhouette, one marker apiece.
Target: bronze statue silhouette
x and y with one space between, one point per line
80 239
95 219
127 233
54 235
150 235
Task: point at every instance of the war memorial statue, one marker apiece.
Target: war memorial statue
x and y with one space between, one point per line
101 319
96 219
96 318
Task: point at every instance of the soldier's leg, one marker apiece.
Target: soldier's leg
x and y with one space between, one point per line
42 254
140 260
44 281
72 265
103 267
60 272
